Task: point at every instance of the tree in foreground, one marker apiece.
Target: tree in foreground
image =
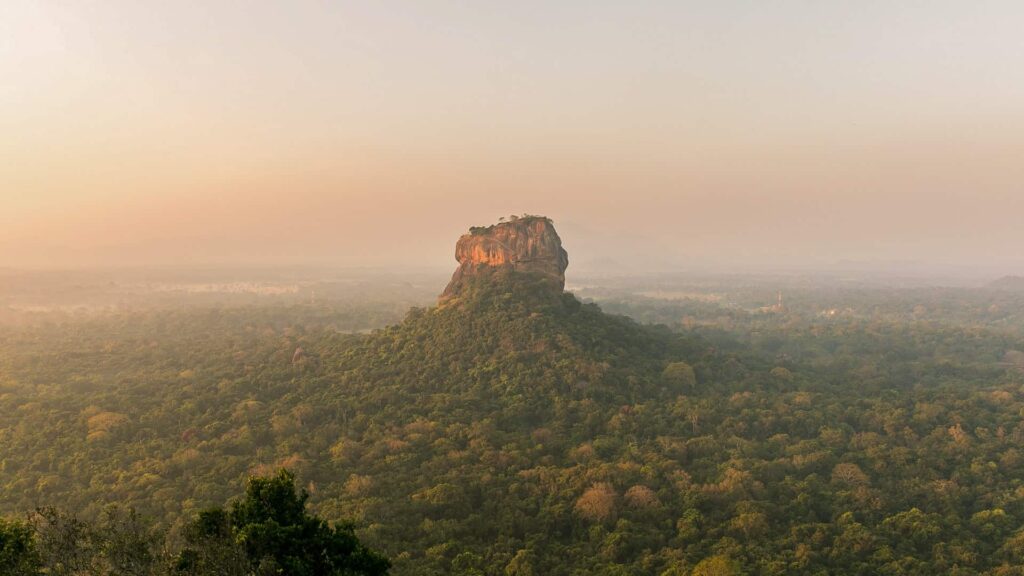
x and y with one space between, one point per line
269 531
18 555
119 543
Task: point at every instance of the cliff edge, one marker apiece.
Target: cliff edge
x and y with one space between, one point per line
527 244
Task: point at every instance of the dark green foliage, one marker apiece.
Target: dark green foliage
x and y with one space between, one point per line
267 532
212 547
477 230
270 531
18 554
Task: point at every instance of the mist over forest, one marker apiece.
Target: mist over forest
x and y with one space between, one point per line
561 288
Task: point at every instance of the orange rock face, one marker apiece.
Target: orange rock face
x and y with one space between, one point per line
529 244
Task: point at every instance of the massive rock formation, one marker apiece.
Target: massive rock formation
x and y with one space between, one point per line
523 245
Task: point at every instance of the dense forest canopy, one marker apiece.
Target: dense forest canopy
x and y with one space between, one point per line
516 431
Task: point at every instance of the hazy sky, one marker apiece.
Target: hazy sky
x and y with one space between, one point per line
667 133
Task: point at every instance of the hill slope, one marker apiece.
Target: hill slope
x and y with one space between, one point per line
461 420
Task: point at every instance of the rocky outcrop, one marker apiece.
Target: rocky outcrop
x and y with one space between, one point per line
525 245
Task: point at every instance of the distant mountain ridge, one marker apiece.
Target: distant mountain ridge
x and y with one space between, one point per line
1008 283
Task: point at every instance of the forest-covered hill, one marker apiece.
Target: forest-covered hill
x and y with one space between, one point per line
519 431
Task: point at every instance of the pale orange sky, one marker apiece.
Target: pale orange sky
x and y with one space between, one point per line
668 133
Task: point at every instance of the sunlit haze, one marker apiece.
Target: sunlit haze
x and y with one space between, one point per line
657 135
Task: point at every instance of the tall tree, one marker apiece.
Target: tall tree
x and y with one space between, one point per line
269 531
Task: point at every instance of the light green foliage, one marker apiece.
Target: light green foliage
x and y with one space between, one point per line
716 566
680 376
